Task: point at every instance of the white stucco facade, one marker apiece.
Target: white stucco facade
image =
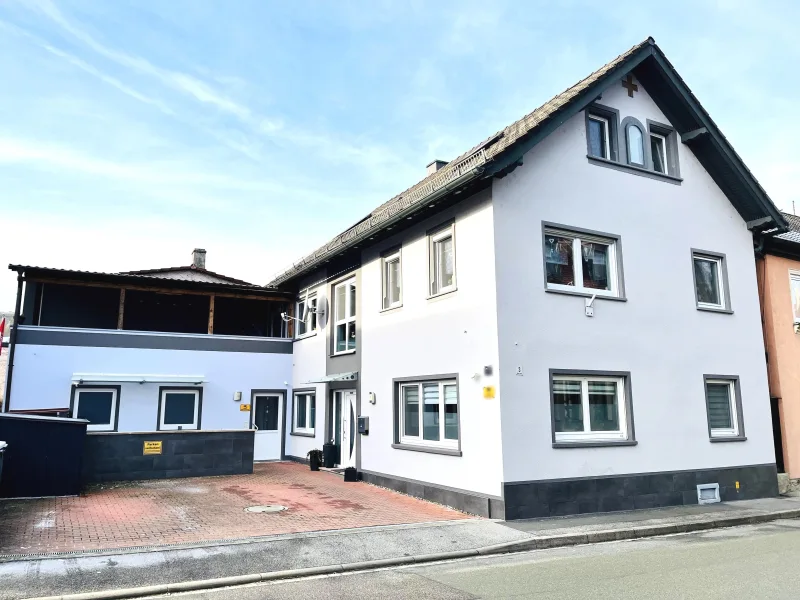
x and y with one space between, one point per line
657 335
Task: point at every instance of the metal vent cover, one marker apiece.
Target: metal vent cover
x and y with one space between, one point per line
708 493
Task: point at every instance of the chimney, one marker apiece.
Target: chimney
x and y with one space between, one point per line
199 258
436 165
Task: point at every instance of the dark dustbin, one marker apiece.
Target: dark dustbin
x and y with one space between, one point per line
350 474
3 447
328 455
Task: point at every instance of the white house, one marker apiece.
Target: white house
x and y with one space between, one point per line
180 371
562 320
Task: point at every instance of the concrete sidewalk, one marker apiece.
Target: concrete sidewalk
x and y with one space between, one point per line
166 570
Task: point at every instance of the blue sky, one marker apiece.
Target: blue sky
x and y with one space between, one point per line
132 131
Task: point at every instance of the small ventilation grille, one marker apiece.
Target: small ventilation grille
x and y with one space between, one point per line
707 493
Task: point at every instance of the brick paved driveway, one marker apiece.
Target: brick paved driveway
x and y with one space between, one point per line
205 509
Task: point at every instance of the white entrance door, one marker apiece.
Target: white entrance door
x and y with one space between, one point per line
347 400
267 418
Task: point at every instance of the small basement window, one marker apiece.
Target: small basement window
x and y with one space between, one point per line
179 409
98 405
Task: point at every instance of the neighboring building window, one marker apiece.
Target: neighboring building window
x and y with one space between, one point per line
598 131
344 325
794 282
710 281
635 141
581 262
589 408
99 406
723 403
179 409
307 306
305 412
392 280
429 413
658 150
442 260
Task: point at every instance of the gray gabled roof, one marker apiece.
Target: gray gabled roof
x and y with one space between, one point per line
188 273
503 151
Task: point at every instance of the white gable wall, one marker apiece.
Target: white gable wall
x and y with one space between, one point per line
658 334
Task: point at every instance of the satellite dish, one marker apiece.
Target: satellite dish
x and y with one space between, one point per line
321 311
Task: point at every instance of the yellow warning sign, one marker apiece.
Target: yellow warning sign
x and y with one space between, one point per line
488 392
244 407
152 448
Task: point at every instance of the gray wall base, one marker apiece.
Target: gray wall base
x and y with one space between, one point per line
559 497
475 504
119 457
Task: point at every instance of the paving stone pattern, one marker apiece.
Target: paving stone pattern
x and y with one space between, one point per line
193 510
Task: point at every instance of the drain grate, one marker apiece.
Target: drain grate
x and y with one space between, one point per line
266 508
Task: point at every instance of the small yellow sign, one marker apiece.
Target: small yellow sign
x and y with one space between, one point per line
152 448
244 407
488 392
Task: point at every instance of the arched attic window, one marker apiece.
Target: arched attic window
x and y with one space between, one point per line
635 141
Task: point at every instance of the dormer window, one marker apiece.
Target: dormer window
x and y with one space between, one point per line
635 140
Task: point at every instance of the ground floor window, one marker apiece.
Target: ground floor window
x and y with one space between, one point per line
429 413
305 412
590 407
179 409
98 405
724 408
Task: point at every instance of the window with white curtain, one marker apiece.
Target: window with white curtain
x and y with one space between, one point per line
589 408
581 262
392 280
442 260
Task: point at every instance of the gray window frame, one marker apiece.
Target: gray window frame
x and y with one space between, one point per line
671 139
625 376
396 385
727 306
429 235
617 239
612 116
293 415
76 389
737 391
628 122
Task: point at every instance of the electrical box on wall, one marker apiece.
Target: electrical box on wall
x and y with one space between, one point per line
237 396
363 425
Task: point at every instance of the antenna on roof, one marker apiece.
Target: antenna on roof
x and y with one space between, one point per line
794 212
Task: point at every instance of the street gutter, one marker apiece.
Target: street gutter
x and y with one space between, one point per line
537 543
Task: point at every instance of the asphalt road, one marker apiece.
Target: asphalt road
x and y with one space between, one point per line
746 562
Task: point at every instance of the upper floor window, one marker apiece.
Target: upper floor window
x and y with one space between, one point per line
794 282
710 281
658 150
635 141
578 261
344 324
391 268
307 315
442 260
601 132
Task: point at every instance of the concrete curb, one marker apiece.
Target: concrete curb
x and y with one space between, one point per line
538 543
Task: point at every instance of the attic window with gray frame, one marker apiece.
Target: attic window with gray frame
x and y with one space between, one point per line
663 149
601 132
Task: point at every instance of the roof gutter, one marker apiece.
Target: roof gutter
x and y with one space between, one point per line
299 269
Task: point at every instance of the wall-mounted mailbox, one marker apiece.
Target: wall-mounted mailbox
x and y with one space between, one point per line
363 425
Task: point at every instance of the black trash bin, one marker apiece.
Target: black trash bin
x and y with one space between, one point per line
3 447
350 474
328 455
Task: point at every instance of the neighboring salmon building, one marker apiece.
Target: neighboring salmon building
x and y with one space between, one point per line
778 264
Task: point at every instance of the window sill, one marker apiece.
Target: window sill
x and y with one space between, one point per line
345 353
428 449
604 162
586 295
733 438
724 311
440 294
303 434
596 444
391 308
305 336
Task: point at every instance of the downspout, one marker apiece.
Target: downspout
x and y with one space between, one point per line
12 346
